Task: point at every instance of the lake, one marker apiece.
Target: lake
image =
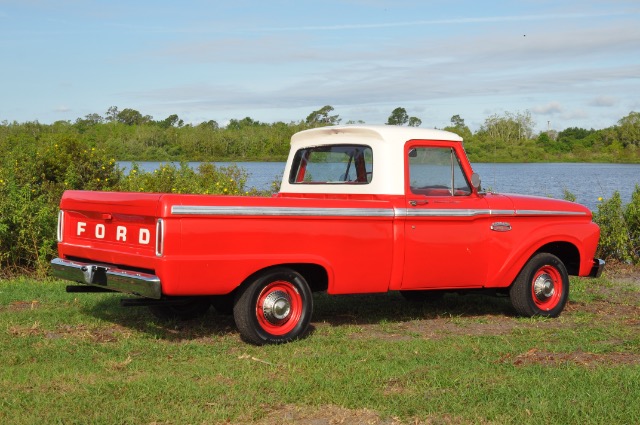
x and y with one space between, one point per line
586 181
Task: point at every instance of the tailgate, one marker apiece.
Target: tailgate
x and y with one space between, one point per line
109 227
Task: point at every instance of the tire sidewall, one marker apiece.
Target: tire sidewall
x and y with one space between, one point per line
246 303
524 285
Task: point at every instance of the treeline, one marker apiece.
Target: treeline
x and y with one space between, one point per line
127 135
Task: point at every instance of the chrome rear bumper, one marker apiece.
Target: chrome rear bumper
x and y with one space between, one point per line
108 277
598 266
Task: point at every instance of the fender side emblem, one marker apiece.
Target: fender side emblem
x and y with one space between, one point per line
501 226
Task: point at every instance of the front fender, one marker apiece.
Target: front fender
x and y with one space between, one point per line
513 249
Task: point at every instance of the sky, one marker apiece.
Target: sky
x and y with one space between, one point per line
570 63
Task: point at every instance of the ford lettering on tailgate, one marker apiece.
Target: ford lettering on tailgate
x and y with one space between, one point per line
113 229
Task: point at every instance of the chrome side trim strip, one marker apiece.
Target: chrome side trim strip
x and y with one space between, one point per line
358 212
281 211
472 213
543 212
446 213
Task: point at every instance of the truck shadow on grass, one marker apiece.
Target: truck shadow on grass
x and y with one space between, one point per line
370 311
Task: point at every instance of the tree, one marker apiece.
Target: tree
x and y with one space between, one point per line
629 129
459 127
322 117
112 114
132 117
211 124
457 121
89 120
398 116
509 127
415 122
243 123
171 121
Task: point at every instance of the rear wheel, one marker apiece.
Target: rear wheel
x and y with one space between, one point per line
275 307
187 309
541 288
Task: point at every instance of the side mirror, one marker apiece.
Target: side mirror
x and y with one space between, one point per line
475 181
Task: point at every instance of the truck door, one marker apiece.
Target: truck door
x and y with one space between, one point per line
446 227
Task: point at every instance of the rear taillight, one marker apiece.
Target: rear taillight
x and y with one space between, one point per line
159 237
60 233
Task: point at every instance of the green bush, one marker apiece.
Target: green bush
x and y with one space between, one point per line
632 219
619 228
207 180
33 177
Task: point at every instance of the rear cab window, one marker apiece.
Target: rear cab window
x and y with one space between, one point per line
332 164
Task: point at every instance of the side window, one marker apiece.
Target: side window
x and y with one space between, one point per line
334 164
436 172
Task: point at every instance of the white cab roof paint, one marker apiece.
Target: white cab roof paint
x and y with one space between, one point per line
387 143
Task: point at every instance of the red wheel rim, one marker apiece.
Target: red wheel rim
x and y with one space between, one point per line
279 307
547 288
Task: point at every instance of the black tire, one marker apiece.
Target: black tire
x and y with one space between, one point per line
541 288
275 307
422 296
188 309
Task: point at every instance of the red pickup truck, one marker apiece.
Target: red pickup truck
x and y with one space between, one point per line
362 209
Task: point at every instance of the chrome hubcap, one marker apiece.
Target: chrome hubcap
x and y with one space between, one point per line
276 307
543 287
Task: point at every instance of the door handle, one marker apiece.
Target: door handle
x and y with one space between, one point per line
415 203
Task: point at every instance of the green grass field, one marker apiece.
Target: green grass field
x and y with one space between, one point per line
81 358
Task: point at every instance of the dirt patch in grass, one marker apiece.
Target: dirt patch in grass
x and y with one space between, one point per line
623 273
106 334
22 305
535 356
334 415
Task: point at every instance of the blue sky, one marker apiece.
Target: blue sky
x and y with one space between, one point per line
570 63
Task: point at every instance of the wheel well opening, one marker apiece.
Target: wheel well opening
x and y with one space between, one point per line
567 253
315 275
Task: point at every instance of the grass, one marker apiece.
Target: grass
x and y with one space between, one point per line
81 358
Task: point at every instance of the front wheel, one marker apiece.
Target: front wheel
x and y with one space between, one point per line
275 307
541 288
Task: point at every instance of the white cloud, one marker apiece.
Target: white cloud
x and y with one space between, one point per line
604 101
550 108
577 114
449 21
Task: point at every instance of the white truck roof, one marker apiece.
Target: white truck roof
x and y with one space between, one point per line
387 143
